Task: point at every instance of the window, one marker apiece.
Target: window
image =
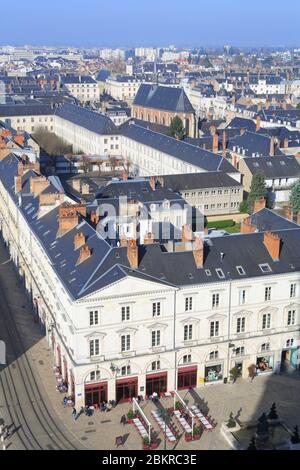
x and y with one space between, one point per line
188 332
156 309
126 343
268 292
293 291
215 300
241 325
156 338
188 304
126 370
241 270
155 366
220 273
266 322
94 348
240 351
242 297
214 329
94 318
214 355
265 268
289 343
265 347
126 314
291 317
95 376
187 359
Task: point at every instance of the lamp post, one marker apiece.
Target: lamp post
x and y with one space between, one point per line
166 418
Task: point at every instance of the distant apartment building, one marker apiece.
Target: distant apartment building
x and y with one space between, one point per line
123 87
83 88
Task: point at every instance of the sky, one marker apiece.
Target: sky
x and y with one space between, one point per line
96 23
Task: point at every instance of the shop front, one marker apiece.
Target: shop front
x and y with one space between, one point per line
264 364
289 359
187 378
95 394
156 383
213 373
126 389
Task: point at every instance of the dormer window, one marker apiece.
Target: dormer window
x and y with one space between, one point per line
220 273
241 270
265 268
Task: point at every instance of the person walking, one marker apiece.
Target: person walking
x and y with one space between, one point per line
74 414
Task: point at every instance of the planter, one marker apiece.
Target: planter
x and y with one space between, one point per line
188 438
146 448
154 445
129 421
197 437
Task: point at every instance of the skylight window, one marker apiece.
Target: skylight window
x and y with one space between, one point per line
241 270
220 273
208 272
265 268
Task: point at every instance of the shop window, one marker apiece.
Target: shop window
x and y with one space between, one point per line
213 373
265 364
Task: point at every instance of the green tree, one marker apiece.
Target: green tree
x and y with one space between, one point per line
258 190
295 197
273 413
244 208
235 374
177 129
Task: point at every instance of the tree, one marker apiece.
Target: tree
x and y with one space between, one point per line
252 445
244 208
235 374
258 190
177 129
295 197
295 439
273 413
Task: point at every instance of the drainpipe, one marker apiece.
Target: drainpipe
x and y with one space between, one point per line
229 326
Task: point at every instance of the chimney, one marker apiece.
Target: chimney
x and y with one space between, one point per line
187 233
38 185
288 212
259 204
247 226
258 123
272 146
152 183
224 144
149 239
18 184
123 241
76 184
85 253
215 144
69 217
213 130
273 244
133 254
286 143
79 240
95 218
198 252
20 168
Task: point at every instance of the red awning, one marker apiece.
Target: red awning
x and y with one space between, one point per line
159 375
127 381
184 370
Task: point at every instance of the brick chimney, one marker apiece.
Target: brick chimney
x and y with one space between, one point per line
224 144
259 204
133 254
123 241
18 184
85 253
213 130
272 146
79 240
187 233
69 217
149 239
198 252
258 123
247 226
288 212
38 185
286 143
215 143
20 168
95 218
152 183
273 244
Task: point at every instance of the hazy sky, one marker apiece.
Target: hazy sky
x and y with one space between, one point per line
150 22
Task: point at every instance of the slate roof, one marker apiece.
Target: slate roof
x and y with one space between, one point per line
74 79
191 181
253 144
7 110
242 123
108 265
164 98
274 167
95 122
189 154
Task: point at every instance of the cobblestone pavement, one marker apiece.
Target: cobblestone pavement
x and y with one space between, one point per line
246 400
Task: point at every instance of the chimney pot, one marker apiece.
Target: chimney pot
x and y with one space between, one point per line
79 240
247 226
187 233
273 244
198 252
85 253
133 254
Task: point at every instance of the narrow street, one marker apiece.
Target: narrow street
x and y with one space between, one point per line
24 405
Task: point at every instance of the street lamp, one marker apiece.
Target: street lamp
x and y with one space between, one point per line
166 418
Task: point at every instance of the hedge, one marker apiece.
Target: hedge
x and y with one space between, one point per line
221 224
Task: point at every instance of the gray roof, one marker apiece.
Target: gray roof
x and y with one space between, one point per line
95 122
274 167
164 98
213 179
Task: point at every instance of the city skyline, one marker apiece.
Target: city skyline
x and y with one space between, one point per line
172 25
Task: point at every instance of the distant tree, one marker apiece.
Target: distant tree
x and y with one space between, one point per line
295 439
295 197
244 207
176 128
252 445
51 143
258 190
273 413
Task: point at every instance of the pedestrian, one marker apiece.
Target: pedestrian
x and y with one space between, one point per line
123 420
74 414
